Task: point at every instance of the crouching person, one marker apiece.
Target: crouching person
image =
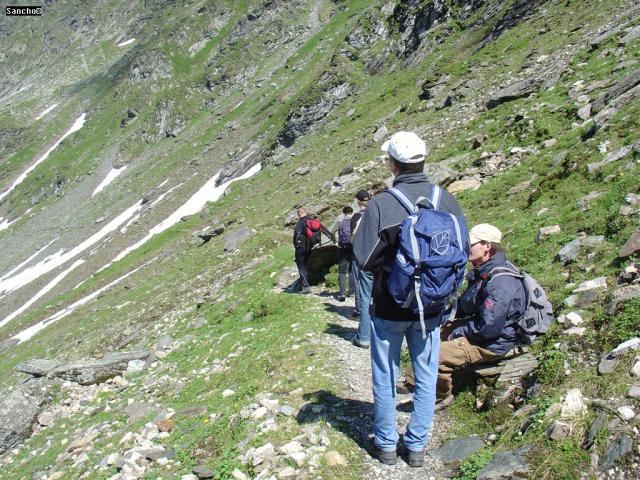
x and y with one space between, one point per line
489 309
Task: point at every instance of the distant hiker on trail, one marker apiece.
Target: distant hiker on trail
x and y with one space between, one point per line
491 310
345 255
363 280
306 235
414 209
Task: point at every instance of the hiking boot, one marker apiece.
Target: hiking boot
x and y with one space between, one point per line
413 458
388 458
444 403
360 344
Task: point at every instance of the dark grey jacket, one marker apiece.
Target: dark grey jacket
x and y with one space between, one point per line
375 241
494 305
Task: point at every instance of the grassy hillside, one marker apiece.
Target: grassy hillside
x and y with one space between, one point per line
213 83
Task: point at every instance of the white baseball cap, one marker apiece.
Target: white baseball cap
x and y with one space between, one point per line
484 232
405 147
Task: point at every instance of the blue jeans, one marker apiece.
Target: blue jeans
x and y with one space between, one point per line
364 285
386 342
355 274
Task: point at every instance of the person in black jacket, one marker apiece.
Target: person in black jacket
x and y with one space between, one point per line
303 245
375 246
489 310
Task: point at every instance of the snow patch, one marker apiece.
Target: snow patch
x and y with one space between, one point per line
16 92
30 274
47 110
111 176
126 42
47 288
31 331
161 197
18 267
207 193
77 125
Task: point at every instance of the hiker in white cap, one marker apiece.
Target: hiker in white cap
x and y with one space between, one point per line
489 310
375 247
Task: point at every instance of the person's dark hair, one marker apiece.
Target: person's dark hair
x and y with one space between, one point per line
408 167
495 247
347 210
376 188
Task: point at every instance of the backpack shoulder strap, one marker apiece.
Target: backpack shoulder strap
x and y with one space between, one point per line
436 195
511 271
404 201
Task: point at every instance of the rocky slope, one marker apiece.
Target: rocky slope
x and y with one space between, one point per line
152 153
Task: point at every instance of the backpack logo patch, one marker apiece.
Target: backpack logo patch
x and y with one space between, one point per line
441 243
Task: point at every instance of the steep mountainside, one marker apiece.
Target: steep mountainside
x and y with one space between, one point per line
152 154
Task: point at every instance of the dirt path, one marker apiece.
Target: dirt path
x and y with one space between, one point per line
354 367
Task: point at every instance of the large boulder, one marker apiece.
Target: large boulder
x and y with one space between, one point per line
84 372
19 409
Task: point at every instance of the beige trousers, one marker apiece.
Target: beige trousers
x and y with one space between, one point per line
455 354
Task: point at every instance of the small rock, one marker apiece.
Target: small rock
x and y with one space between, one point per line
388 8
549 143
618 448
238 475
203 472
291 447
573 404
228 393
259 413
634 391
631 246
626 413
288 473
509 464
478 140
135 365
558 431
599 283
585 112
569 252
46 419
334 459
380 134
584 202
457 449
299 458
544 232
626 210
287 411
461 185
572 319
165 343
576 331
635 369
166 425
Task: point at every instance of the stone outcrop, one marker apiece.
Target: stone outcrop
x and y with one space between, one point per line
84 372
301 119
19 410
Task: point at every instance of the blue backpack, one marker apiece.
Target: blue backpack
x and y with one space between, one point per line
430 261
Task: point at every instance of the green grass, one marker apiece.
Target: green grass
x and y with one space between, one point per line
162 297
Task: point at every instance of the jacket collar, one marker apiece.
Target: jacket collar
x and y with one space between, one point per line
482 271
410 178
